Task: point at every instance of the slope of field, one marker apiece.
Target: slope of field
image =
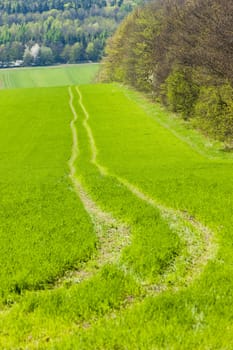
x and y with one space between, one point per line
135 147
44 229
48 76
161 215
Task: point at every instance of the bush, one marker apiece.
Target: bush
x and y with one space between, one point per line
214 112
181 92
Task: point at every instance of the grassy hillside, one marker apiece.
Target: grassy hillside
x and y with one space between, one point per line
158 208
48 77
133 145
43 227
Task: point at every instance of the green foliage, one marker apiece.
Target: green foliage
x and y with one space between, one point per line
60 26
45 56
130 51
27 58
181 92
74 54
214 110
160 47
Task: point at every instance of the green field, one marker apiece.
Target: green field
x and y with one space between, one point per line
116 225
48 76
39 209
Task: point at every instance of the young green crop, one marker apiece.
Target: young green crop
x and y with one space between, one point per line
154 245
143 145
48 76
44 229
134 145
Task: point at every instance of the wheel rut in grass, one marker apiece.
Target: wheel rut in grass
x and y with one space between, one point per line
112 235
94 150
199 240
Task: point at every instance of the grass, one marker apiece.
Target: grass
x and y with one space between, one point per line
142 144
154 245
44 228
167 168
48 76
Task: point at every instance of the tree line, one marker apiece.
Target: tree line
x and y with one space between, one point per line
66 31
181 51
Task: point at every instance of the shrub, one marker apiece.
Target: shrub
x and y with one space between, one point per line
181 92
214 112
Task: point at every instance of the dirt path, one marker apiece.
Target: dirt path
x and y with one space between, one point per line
199 240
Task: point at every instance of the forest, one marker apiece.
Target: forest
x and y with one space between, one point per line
45 32
181 53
